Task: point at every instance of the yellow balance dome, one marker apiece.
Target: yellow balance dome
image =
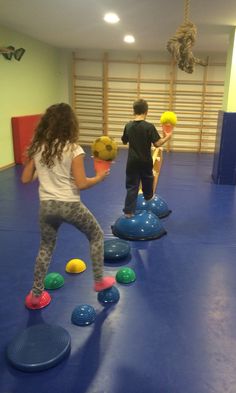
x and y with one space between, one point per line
75 266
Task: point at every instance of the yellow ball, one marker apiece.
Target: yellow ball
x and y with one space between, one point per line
75 266
168 117
104 148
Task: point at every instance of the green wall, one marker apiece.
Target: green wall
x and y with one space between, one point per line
42 77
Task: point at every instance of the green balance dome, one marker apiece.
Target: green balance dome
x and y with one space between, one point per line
125 275
53 281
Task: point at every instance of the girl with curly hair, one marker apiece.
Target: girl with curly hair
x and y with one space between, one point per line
58 160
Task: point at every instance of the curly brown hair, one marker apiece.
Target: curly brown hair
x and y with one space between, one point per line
57 127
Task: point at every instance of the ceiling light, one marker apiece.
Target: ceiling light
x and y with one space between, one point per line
110 17
129 39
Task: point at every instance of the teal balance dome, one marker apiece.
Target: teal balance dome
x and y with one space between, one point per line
116 249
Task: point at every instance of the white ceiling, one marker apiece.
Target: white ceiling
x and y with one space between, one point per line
77 24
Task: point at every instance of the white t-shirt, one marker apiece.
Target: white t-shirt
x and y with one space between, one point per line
57 183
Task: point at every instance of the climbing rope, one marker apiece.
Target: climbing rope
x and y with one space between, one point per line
186 11
180 45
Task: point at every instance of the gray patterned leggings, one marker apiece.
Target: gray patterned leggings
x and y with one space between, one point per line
52 214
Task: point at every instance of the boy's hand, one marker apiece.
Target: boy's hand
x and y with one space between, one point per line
167 134
167 129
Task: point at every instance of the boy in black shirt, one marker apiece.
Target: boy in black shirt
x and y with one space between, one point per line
140 135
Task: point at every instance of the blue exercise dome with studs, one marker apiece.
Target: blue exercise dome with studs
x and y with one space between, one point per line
144 225
156 205
83 315
109 296
116 249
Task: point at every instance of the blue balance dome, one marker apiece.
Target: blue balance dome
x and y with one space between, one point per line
39 347
116 249
144 225
109 296
83 315
156 205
